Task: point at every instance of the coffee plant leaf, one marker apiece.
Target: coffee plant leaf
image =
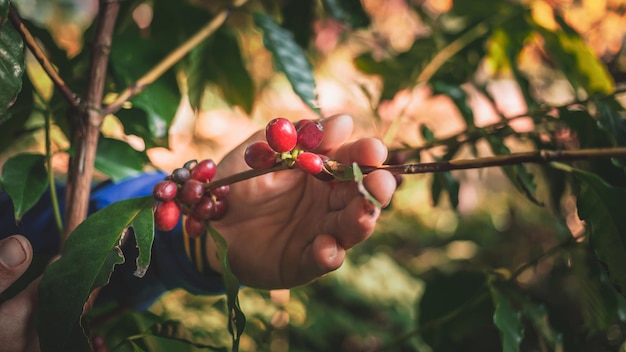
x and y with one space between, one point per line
298 18
289 59
137 122
4 11
24 178
358 178
219 60
445 181
458 96
350 12
537 314
132 56
581 66
88 258
236 317
176 330
118 160
12 66
517 174
600 205
462 291
508 321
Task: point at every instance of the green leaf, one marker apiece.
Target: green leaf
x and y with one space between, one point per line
175 330
11 66
289 58
427 134
119 160
508 321
298 18
24 178
218 59
577 61
348 11
538 316
612 119
68 282
136 122
458 96
400 71
453 308
132 56
358 178
237 321
4 11
445 180
517 174
601 206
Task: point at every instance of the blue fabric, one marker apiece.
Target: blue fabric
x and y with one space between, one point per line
170 268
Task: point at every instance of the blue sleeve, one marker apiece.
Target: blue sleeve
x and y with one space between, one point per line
177 261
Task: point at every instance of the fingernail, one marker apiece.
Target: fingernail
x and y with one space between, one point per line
12 253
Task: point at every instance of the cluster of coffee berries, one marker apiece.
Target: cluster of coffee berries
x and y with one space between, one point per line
290 144
184 191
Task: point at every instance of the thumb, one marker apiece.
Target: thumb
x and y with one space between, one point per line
16 254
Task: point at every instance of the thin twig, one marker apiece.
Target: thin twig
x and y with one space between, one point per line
242 176
169 61
41 57
537 157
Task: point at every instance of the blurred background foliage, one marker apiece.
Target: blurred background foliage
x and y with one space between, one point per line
461 261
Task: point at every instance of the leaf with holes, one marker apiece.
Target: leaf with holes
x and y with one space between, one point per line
66 285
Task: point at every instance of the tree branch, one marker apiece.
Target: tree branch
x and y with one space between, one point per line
87 120
41 57
537 157
167 62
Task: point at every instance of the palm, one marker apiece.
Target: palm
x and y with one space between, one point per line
287 228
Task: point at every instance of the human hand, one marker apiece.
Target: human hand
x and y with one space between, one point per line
17 324
288 228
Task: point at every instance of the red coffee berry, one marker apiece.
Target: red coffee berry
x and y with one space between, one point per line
309 135
191 192
204 171
324 175
194 226
205 208
220 208
221 191
181 175
281 135
310 163
259 155
166 215
165 190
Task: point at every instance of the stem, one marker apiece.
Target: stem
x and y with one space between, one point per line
167 62
88 119
51 183
242 176
538 157
41 57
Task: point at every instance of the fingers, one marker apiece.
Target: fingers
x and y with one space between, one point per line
319 257
17 321
337 130
365 151
15 257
